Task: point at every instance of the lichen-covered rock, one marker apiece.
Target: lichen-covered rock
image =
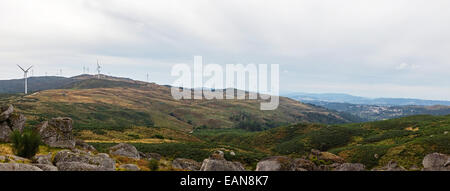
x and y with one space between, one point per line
303 164
217 162
5 132
221 165
154 156
275 163
129 167
436 162
16 121
125 150
82 144
186 164
390 166
57 133
5 111
10 121
350 167
219 155
17 159
46 167
43 159
18 167
78 166
101 160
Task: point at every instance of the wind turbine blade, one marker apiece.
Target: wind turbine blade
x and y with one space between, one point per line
21 68
29 68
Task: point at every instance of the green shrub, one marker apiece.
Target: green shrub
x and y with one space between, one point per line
153 165
365 154
158 136
25 144
134 136
295 146
195 151
330 137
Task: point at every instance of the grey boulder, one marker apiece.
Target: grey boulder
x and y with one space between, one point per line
436 162
275 163
43 159
186 164
57 132
18 167
350 167
46 167
102 161
5 111
78 166
129 167
125 150
212 164
10 121
5 132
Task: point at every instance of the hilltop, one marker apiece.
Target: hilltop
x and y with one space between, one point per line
41 83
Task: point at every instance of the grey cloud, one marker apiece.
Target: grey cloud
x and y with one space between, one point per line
318 42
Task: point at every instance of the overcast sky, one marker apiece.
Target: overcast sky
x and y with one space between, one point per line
383 48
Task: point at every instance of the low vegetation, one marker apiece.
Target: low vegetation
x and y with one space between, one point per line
26 143
406 140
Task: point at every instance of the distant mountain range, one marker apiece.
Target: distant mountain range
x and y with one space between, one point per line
346 98
374 109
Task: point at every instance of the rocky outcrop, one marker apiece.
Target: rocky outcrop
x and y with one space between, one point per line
14 159
125 150
43 159
153 156
66 159
217 162
221 165
77 166
303 164
57 132
46 167
5 132
18 167
436 162
5 111
282 163
129 167
85 146
186 164
276 163
390 166
10 121
350 167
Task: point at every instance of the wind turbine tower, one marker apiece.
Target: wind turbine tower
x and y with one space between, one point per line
25 76
98 70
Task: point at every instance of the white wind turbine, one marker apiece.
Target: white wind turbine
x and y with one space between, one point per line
25 76
98 70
